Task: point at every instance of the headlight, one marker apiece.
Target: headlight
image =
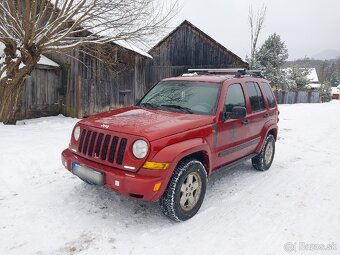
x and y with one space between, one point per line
140 149
76 133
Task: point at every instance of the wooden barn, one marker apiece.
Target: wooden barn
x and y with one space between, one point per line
188 47
90 86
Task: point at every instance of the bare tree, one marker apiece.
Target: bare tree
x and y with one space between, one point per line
256 24
30 28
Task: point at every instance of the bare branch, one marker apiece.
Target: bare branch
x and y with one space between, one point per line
256 26
35 27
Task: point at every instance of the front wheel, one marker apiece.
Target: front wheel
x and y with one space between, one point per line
264 160
185 192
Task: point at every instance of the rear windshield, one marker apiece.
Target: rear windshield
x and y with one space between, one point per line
183 96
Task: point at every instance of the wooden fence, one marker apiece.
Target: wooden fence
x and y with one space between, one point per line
296 97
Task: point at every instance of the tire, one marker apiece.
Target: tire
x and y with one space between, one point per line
185 192
264 160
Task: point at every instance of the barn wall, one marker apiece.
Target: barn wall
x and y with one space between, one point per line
41 93
102 89
90 86
69 82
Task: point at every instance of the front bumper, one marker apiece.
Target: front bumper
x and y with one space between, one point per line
134 185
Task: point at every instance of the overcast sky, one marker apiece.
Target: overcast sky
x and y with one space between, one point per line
307 26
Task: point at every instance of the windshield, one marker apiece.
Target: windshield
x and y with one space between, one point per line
183 96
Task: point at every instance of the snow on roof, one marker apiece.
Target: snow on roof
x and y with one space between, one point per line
47 62
43 60
314 85
130 46
313 76
335 90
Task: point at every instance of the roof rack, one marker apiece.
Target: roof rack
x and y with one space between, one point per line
233 71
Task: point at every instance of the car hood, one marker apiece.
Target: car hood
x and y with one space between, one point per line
148 123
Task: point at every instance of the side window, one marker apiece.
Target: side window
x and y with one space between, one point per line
234 97
255 96
269 95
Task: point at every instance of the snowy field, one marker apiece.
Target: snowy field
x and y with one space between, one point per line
46 210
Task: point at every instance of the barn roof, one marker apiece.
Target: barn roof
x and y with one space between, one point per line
43 59
129 46
213 41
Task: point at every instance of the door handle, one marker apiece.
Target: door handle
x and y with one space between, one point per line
266 115
246 122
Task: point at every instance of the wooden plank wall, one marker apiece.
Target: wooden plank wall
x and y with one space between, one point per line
102 90
41 93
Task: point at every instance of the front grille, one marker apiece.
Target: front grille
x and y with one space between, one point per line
98 145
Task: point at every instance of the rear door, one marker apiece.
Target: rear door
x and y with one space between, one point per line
257 112
270 102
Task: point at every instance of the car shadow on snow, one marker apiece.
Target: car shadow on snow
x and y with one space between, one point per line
114 207
110 205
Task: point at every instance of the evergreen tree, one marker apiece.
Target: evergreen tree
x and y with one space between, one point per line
297 77
270 58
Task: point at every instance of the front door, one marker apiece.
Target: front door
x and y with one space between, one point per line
233 136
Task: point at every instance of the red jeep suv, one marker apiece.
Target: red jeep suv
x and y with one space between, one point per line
183 129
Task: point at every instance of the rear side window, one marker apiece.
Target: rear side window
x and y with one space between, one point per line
255 96
269 95
235 97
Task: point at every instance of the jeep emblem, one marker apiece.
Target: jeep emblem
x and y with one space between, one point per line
105 126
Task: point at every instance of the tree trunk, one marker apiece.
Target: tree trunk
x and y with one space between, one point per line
10 101
11 87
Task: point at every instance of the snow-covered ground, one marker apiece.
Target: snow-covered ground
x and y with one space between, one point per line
46 210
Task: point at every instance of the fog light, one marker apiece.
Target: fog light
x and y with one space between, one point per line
157 186
156 165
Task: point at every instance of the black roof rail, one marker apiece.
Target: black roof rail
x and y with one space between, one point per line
232 71
235 71
257 73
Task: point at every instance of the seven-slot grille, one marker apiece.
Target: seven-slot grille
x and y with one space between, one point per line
97 145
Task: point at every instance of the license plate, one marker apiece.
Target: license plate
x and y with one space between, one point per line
88 174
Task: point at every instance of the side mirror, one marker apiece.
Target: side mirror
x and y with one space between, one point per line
238 112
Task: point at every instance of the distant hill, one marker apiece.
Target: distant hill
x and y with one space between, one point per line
327 54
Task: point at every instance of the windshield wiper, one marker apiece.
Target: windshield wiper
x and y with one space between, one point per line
178 107
149 105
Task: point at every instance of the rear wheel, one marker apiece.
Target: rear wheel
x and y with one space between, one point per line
185 192
264 160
